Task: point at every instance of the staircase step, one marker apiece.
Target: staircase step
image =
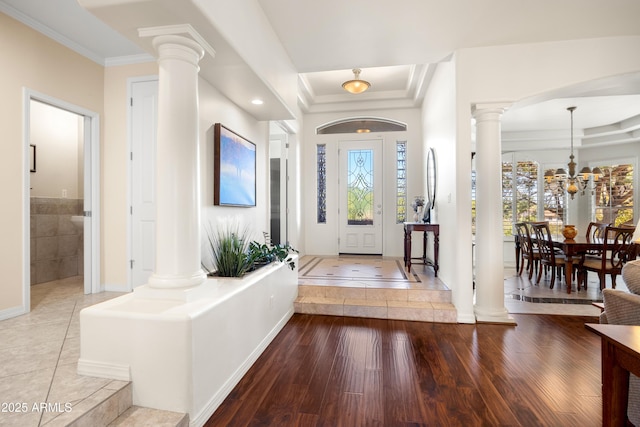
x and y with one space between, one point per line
422 311
112 406
139 416
370 293
99 409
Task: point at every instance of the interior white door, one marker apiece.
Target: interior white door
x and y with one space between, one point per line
360 194
143 189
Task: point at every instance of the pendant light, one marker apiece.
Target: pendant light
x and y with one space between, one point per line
356 85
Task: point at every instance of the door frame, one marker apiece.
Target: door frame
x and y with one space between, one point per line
91 191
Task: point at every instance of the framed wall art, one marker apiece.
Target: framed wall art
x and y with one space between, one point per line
234 169
32 157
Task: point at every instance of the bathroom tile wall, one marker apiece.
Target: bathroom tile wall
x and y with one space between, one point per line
57 248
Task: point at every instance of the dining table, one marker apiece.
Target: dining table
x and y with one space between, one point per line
574 248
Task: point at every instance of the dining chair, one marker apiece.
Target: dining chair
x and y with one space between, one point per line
549 257
617 249
595 234
595 231
527 251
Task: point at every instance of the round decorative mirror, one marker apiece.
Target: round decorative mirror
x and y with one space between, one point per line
431 179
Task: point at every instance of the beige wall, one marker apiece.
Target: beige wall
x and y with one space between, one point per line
114 164
31 60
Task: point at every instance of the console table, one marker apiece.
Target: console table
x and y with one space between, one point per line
620 356
410 227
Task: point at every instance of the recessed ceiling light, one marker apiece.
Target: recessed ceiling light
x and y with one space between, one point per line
257 101
363 130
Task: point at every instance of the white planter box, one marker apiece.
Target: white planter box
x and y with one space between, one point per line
185 350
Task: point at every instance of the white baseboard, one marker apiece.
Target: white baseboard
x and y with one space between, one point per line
116 287
104 370
8 313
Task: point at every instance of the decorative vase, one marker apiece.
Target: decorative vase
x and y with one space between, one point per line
569 232
416 215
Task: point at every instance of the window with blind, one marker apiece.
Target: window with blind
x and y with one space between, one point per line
519 193
555 202
612 199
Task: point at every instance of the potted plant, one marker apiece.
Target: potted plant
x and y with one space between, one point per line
263 254
233 254
229 252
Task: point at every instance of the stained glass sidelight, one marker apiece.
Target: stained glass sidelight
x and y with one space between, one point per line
360 187
401 182
321 154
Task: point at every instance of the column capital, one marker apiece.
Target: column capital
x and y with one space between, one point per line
185 31
178 47
497 108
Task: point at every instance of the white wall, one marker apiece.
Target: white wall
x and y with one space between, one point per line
322 239
215 108
57 135
453 193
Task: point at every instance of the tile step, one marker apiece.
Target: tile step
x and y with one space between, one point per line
99 409
368 293
139 416
422 311
112 406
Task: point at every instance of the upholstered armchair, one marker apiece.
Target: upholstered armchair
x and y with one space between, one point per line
623 308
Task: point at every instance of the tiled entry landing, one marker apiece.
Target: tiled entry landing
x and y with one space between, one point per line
371 286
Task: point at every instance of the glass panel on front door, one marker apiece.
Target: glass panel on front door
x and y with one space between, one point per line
360 187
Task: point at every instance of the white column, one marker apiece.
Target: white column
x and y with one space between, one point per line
489 305
178 225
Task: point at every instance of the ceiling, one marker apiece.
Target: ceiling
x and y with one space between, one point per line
395 43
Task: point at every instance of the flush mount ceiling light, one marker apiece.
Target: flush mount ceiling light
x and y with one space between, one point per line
356 85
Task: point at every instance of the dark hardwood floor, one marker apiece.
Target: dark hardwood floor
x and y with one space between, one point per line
339 371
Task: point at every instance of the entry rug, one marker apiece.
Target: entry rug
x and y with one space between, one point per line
352 268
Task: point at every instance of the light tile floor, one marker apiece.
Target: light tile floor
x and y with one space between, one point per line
39 351
39 354
519 290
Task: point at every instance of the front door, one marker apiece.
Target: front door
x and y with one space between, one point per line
360 192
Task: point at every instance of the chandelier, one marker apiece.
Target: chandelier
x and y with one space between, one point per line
356 85
570 182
